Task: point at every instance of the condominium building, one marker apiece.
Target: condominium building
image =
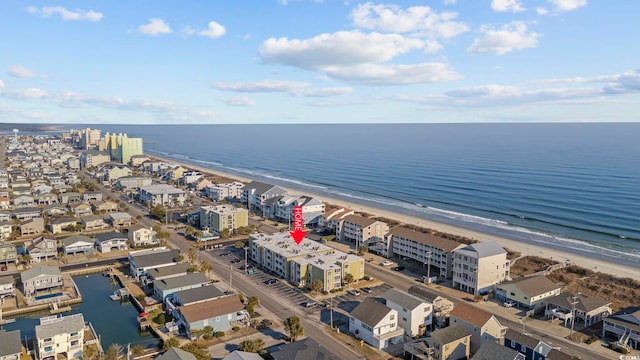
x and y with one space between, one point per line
477 267
60 335
133 182
122 148
219 192
363 231
304 263
91 158
256 193
223 217
312 209
423 248
161 194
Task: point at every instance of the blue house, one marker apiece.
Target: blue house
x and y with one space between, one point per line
166 287
532 348
221 313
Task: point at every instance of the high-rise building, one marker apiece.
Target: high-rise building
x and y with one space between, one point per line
122 148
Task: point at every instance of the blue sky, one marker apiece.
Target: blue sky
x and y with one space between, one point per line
314 61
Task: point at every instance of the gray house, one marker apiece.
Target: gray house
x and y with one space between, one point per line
166 287
7 287
144 260
111 241
42 247
10 345
40 277
220 313
77 244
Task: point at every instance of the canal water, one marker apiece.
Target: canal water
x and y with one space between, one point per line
114 322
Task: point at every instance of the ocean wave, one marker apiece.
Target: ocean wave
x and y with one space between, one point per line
206 162
293 181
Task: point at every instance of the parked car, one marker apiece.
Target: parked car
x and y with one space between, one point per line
308 303
354 292
225 254
270 281
235 261
366 289
398 268
4 268
509 303
386 263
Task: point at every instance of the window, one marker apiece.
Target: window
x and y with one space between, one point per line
48 348
74 343
392 317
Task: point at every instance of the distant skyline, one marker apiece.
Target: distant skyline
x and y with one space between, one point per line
319 61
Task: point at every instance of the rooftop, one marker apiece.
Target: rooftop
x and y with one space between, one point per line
370 312
180 281
470 314
212 308
39 270
359 220
10 343
154 258
180 268
176 354
303 350
493 351
449 334
198 294
585 303
402 298
485 249
52 326
437 242
533 285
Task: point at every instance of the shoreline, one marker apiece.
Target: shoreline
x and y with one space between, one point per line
524 247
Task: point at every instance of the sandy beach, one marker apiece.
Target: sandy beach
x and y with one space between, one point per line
524 248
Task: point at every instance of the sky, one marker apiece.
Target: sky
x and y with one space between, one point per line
319 61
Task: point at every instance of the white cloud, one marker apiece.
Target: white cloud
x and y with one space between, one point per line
155 27
2 86
340 48
542 11
507 38
420 20
20 71
76 15
293 88
507 5
377 74
567 5
238 101
450 2
213 31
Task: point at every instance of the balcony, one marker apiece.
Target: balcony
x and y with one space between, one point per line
390 335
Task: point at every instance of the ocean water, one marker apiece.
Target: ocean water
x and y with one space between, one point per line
574 186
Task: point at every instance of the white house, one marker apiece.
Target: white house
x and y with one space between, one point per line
218 192
478 267
7 287
60 335
312 209
10 345
376 324
142 236
414 315
256 193
161 194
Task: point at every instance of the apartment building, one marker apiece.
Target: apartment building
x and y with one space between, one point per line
478 267
122 148
303 264
256 193
221 217
423 248
363 231
312 209
219 192
133 182
161 194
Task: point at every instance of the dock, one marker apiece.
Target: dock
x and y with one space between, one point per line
55 309
121 294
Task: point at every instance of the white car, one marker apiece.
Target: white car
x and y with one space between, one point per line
509 303
386 263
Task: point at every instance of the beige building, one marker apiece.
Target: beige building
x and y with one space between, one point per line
362 231
423 248
478 267
303 264
482 325
529 293
221 217
452 342
219 192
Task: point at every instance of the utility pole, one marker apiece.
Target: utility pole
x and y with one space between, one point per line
245 258
574 301
428 266
331 310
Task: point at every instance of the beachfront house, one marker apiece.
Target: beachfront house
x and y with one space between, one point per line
141 261
312 209
589 309
60 335
333 217
161 194
77 244
625 327
528 293
7 287
362 231
220 313
221 217
494 351
414 314
41 248
423 248
530 347
256 193
478 267
375 323
10 345
482 325
40 277
142 236
219 192
59 225
166 287
111 241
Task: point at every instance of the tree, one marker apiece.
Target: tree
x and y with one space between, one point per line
348 279
199 351
239 244
225 233
252 346
137 350
26 258
179 258
251 304
205 267
114 352
316 285
158 212
169 343
364 249
191 254
90 352
293 326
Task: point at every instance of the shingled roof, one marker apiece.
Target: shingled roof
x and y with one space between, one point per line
470 314
370 312
443 244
